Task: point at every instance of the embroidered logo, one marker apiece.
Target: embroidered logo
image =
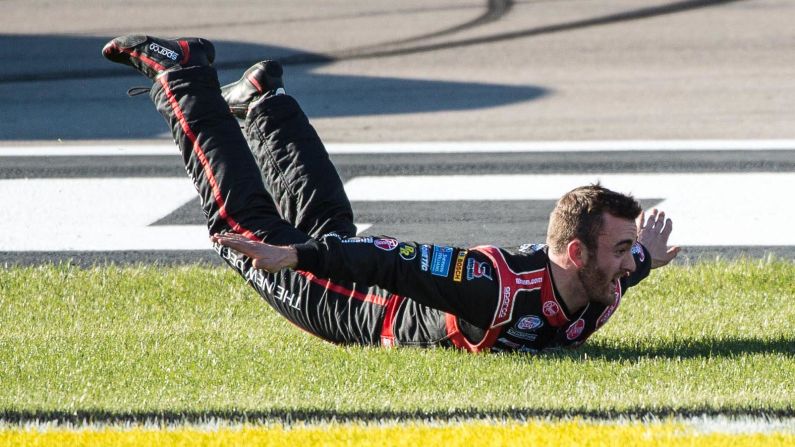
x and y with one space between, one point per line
550 309
458 272
575 329
442 257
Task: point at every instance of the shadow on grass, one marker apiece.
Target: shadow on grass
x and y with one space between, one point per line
685 349
289 416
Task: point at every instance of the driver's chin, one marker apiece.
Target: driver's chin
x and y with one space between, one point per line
609 297
602 294
598 286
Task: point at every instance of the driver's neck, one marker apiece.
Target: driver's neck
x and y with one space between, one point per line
569 286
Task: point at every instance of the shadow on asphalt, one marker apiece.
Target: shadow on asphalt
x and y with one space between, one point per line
61 88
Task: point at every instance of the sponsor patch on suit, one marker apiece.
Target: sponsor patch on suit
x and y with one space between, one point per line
407 252
476 269
440 263
425 257
458 271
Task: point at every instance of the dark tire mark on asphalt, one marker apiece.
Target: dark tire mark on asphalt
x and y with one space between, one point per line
189 27
495 10
352 54
636 14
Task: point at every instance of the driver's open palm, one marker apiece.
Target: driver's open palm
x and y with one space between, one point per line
653 234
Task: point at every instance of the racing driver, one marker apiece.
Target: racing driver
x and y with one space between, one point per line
278 214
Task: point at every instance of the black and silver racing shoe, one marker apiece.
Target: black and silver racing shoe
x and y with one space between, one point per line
262 78
153 55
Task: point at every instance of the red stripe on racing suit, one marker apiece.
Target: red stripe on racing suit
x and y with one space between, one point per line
388 328
510 284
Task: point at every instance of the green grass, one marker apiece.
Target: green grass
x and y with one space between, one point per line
713 337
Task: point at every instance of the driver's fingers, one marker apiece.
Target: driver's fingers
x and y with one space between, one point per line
652 218
659 221
232 244
669 227
235 241
235 236
221 239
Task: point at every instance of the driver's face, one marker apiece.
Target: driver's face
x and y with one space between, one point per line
612 260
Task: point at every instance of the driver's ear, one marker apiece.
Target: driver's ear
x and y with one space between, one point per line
577 253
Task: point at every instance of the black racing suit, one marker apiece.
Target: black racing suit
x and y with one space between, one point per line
276 184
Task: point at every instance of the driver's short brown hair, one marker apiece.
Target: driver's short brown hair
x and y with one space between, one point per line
578 215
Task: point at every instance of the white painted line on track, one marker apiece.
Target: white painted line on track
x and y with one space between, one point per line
707 209
68 150
95 215
98 214
428 147
560 146
101 214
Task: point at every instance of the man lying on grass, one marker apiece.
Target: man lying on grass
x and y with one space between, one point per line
279 215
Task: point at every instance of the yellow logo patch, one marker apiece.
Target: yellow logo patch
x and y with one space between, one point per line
458 273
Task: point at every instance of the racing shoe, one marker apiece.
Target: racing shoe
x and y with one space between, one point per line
262 78
153 55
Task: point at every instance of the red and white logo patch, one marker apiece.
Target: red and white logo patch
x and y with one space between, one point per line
605 316
550 309
386 244
575 329
611 308
505 304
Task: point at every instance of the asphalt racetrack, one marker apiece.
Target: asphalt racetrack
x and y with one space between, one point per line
450 122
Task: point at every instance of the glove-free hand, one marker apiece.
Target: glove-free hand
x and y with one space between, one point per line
271 258
653 234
